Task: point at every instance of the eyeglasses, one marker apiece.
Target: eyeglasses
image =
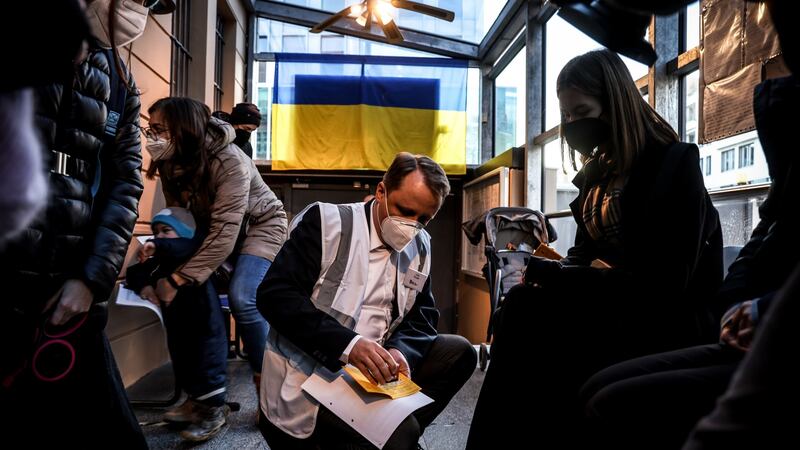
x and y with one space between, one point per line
153 132
150 3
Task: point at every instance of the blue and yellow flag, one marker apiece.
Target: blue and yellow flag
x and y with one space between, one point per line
357 112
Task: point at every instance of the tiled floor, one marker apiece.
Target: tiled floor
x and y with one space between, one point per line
448 432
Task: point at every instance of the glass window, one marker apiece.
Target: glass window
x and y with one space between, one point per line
332 44
333 5
263 99
262 71
726 157
473 18
746 153
509 106
564 42
751 168
566 228
738 216
272 39
691 98
701 165
294 44
474 116
558 174
179 68
262 38
691 26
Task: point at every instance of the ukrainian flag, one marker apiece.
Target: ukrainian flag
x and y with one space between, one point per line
356 112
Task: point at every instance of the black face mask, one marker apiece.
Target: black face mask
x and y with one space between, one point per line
242 138
584 135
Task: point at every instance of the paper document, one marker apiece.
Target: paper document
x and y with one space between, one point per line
547 252
403 387
372 415
127 297
143 239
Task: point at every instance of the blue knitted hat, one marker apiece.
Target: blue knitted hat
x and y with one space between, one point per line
180 219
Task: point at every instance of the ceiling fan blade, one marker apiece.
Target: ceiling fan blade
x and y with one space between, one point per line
422 8
392 32
368 26
330 20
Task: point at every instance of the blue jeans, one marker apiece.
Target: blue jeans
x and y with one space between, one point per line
247 276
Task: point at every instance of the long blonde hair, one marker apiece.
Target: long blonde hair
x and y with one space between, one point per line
603 75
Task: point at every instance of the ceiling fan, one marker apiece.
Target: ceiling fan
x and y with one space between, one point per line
367 11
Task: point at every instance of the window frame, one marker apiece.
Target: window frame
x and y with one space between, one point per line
723 154
749 152
180 57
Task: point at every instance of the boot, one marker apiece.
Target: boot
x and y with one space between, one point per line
181 414
210 420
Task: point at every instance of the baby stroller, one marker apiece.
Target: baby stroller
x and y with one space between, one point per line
512 234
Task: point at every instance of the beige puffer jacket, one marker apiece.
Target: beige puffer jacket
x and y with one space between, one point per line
238 190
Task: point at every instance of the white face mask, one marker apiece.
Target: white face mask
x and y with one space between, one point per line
397 231
131 19
160 149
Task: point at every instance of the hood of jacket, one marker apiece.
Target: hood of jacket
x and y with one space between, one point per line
219 134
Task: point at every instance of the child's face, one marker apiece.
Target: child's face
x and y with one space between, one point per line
164 231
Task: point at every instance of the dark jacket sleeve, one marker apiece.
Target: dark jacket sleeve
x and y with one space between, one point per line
763 303
284 297
738 285
682 219
415 334
140 275
117 214
583 252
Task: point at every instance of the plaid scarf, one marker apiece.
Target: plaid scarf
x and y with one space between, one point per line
602 208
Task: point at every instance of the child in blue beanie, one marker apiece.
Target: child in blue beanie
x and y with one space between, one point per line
196 335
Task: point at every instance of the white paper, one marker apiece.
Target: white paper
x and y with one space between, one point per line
127 297
374 416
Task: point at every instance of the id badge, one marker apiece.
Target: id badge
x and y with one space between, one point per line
414 280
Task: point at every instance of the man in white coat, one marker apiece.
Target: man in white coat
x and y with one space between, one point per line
352 286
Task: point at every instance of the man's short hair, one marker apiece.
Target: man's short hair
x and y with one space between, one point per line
405 163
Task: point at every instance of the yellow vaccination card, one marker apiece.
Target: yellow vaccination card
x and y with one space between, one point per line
402 387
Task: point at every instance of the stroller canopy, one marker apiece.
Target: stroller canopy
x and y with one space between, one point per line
513 225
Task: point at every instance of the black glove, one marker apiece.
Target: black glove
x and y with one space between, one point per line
541 270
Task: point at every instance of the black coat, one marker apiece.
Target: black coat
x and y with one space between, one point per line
670 263
773 251
77 236
284 299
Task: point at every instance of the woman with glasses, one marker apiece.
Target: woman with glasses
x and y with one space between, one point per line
202 170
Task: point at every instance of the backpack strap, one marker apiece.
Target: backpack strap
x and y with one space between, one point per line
117 98
118 95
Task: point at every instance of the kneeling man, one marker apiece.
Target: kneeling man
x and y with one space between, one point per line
352 285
